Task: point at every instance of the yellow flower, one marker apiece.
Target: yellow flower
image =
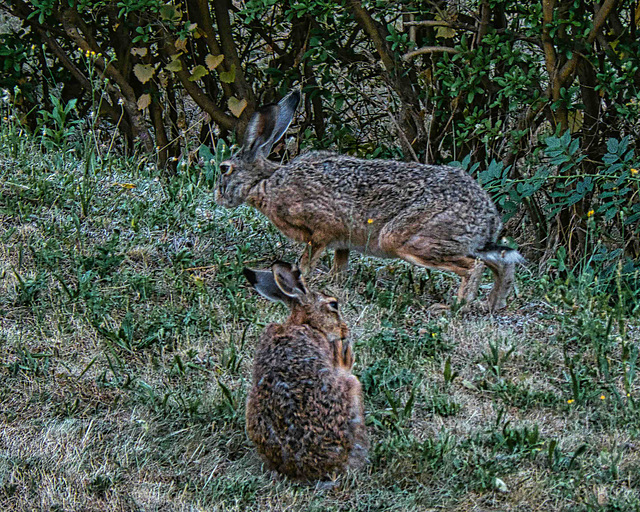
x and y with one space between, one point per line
369 221
590 213
602 397
628 394
634 171
570 401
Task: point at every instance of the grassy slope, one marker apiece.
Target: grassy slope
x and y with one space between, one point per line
126 339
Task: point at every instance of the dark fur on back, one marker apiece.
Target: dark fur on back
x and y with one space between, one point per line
329 197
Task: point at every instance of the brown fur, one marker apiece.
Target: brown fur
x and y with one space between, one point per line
430 215
305 412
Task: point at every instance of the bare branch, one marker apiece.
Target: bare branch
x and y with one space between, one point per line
600 18
429 49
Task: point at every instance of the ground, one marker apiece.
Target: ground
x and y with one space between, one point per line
127 335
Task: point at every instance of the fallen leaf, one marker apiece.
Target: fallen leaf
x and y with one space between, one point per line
501 486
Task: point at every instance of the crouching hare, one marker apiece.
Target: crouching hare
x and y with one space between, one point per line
305 413
430 215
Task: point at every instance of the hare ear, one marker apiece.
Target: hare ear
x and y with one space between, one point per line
289 280
264 283
268 125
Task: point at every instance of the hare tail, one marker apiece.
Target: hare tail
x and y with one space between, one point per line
499 253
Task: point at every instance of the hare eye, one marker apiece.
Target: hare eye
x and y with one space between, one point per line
333 304
226 168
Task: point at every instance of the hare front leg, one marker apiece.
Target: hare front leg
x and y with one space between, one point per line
310 256
470 282
342 354
340 261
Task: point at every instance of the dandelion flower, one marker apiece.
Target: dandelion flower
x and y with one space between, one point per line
634 171
602 397
590 213
369 221
570 401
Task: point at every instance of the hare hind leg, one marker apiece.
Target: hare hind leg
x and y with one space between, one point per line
469 270
503 277
360 447
470 282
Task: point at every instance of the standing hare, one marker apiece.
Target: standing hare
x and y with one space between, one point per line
305 412
430 215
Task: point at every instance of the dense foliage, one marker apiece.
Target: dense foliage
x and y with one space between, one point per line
541 98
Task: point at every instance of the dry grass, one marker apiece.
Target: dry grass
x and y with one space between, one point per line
126 340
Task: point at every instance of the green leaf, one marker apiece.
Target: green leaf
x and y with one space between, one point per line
175 65
213 61
169 12
229 76
197 73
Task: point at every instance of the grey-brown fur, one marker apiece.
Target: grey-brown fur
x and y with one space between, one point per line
430 215
305 412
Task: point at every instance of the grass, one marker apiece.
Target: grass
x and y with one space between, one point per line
127 335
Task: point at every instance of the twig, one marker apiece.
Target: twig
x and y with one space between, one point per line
403 136
429 49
